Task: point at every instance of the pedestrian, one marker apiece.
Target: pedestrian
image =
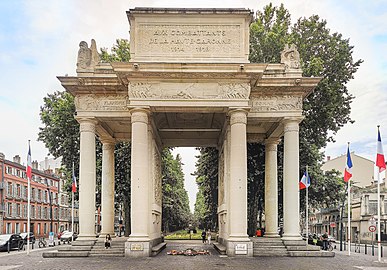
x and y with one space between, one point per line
325 241
108 241
209 237
204 236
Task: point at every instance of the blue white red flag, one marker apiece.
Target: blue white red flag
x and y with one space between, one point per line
74 182
380 162
305 181
29 163
348 167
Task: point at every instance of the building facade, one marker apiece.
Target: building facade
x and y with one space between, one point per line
44 211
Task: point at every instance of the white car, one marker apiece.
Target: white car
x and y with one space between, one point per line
68 236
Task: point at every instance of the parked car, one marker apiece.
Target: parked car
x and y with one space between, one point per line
24 237
67 237
61 233
15 241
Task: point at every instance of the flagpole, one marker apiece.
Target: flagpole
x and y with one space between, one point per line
72 206
378 222
307 207
349 215
28 202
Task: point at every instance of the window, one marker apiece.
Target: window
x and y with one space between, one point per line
38 228
39 212
9 170
18 212
33 211
25 211
18 173
39 195
18 190
9 189
25 192
17 228
8 229
373 207
45 228
8 209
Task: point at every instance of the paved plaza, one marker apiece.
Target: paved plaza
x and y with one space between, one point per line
19 261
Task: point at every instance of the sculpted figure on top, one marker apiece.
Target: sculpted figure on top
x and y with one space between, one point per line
290 57
87 57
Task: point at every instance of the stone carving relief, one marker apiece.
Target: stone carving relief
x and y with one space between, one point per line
143 90
87 57
221 178
290 57
157 177
92 102
264 103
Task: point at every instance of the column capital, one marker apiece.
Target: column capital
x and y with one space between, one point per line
291 123
108 145
87 124
140 115
272 141
238 116
293 119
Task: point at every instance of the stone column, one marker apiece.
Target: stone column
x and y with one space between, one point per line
87 177
138 245
291 193
271 188
107 202
238 186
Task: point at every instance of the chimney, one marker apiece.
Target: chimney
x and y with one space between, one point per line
328 158
16 159
35 164
2 156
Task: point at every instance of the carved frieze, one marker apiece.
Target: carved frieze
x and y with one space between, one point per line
92 102
263 103
168 91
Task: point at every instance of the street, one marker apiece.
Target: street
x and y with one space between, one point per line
20 260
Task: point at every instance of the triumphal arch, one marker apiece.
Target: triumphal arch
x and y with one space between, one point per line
189 83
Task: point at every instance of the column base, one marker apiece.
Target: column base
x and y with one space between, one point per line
87 237
241 247
140 246
272 235
103 234
291 237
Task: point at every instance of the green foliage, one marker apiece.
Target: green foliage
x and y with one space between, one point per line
184 235
60 133
120 52
206 205
176 212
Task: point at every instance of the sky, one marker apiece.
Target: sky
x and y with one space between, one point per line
39 40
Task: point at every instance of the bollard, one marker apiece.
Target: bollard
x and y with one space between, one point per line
9 245
373 250
365 249
381 250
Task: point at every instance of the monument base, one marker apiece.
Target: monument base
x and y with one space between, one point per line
238 247
140 247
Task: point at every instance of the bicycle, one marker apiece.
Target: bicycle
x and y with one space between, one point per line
42 242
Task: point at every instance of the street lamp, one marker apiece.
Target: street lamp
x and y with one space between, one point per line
50 201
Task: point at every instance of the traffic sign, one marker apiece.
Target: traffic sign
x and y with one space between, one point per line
372 228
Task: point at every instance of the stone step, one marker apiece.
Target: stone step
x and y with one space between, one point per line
268 244
74 248
220 248
294 243
311 254
83 243
272 253
304 248
112 248
107 252
65 254
274 249
107 255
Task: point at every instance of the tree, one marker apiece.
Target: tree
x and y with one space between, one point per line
175 206
207 179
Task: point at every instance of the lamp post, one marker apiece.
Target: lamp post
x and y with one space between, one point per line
50 201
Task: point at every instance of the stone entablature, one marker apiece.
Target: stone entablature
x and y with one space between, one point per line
189 35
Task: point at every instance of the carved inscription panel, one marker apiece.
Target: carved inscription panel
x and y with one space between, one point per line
189 40
92 102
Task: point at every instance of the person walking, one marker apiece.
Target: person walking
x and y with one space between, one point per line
209 237
325 241
204 236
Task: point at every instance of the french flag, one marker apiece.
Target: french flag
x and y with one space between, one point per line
29 163
305 181
74 182
348 167
379 154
